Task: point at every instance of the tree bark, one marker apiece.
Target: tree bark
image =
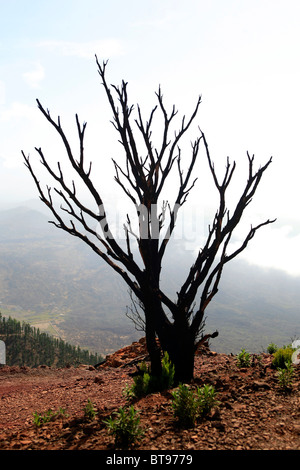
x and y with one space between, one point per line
153 347
177 339
181 350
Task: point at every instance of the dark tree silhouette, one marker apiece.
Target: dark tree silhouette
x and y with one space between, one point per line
176 323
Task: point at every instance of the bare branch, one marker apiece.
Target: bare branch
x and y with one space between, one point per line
135 315
114 248
182 131
182 194
208 293
219 233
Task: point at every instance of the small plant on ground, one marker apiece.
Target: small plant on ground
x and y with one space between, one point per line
207 399
89 411
49 415
125 427
128 393
285 377
185 406
168 373
141 385
189 405
146 383
243 359
282 356
40 419
272 348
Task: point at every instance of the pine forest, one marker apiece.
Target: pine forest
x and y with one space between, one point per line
28 346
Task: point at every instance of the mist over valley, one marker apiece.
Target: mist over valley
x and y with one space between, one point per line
55 282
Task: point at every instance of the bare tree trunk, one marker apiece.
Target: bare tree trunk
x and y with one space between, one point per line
181 350
153 348
177 338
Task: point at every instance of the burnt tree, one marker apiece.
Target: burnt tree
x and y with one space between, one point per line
142 176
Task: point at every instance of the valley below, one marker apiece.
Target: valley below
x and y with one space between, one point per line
56 283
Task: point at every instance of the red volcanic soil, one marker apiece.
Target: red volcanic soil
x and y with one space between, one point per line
253 414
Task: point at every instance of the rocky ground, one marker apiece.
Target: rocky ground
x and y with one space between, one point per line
253 414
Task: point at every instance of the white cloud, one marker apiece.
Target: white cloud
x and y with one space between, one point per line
17 110
35 76
85 50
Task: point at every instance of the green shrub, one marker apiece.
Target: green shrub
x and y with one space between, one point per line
243 359
207 399
272 348
125 427
89 411
168 372
189 405
282 356
40 419
185 406
285 376
49 415
146 383
128 392
141 383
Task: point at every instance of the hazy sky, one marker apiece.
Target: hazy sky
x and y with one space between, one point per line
242 56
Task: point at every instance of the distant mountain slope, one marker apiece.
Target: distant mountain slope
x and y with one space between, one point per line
255 307
48 277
